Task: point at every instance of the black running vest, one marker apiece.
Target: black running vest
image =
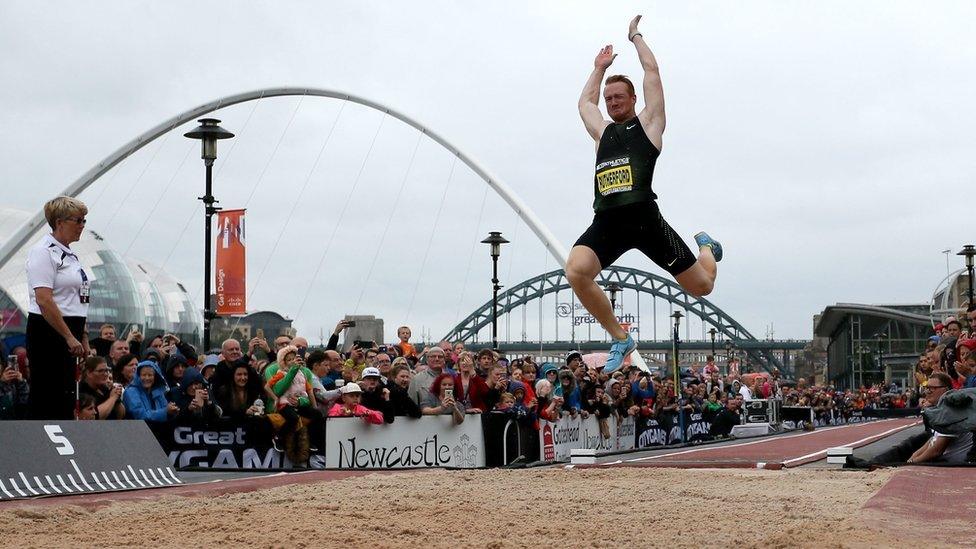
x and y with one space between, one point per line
624 166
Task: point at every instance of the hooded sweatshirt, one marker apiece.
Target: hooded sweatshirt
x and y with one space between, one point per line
571 394
209 410
148 405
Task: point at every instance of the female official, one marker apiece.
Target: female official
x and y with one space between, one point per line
60 289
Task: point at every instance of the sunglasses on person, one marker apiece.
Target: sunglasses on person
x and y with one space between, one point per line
930 387
78 220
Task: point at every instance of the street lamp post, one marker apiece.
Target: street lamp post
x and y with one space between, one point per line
881 338
712 331
678 395
613 288
728 357
208 132
495 240
969 251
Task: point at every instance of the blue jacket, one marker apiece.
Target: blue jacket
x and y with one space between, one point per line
640 395
147 405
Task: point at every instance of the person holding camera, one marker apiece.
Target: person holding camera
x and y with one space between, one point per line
14 391
60 291
194 400
440 399
96 381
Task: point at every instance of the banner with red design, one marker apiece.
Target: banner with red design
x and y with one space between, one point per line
231 286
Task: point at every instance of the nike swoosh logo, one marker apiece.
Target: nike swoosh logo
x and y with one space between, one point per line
672 262
632 126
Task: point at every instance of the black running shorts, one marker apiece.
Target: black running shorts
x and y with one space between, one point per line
639 226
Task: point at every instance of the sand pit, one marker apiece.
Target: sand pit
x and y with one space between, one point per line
490 508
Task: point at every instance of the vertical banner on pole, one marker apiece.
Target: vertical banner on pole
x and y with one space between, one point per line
230 273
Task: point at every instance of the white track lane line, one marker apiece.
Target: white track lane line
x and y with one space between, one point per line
61 480
17 488
173 475
163 475
751 442
71 479
27 485
4 488
879 435
41 486
81 476
51 483
98 482
134 476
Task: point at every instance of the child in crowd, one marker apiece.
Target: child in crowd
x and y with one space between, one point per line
350 406
505 403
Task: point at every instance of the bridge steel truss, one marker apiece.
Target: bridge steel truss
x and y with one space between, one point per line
628 278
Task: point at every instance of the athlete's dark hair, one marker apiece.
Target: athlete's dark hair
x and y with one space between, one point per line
620 78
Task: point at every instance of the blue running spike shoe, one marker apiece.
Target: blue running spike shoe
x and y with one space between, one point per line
702 239
618 352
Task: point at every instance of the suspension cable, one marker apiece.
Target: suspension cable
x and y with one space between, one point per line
260 178
474 244
386 227
193 210
342 214
135 183
166 188
296 202
430 239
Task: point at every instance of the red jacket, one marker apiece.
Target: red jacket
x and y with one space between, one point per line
476 392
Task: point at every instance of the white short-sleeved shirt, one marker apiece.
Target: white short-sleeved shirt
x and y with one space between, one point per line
958 447
51 264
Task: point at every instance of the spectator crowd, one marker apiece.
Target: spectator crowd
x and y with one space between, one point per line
293 387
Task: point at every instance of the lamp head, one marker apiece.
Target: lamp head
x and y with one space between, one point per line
969 251
495 239
208 132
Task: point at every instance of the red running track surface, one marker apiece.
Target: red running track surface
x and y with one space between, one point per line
937 503
773 452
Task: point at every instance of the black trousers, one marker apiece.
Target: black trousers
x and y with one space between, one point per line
52 383
316 426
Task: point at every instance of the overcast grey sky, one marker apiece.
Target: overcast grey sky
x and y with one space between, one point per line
824 143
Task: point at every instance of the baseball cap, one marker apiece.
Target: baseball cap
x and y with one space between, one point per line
211 360
350 388
571 356
371 372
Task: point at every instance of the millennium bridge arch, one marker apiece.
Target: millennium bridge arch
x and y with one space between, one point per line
627 278
36 222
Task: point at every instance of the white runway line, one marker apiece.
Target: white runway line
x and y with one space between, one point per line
879 435
751 442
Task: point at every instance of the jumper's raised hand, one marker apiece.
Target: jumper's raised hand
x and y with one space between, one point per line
633 27
605 58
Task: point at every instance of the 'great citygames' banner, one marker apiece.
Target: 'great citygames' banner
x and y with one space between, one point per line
231 286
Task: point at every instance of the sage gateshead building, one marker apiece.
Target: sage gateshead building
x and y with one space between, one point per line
126 291
869 344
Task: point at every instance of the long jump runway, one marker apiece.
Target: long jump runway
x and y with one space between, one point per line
774 452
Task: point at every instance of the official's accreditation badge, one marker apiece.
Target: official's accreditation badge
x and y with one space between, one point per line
614 176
